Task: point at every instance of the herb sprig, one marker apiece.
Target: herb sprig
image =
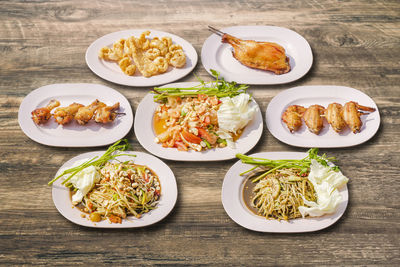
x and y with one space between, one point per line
219 88
111 153
303 164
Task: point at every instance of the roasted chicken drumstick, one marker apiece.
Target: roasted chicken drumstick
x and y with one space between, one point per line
42 115
64 115
259 55
106 114
85 114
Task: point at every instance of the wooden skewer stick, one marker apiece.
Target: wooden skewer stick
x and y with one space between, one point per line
216 31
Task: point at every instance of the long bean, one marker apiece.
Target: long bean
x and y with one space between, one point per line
96 161
219 88
303 164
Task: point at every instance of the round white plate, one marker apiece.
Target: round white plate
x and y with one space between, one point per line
232 200
144 132
110 71
169 193
73 134
322 95
218 56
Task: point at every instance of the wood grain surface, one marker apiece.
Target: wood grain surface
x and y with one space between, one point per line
354 43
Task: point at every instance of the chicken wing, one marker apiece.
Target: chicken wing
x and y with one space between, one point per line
313 118
106 114
292 117
352 115
42 115
64 115
85 114
334 116
259 55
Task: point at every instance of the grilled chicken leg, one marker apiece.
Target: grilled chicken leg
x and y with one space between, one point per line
333 115
292 117
259 55
42 115
85 114
64 115
352 115
106 114
313 118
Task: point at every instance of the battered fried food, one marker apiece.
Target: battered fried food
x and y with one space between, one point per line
352 115
259 55
42 115
313 118
334 116
292 117
150 56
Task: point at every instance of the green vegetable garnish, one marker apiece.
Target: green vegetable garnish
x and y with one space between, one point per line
223 141
303 164
207 143
219 88
120 145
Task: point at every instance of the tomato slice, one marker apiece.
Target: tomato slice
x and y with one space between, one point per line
191 137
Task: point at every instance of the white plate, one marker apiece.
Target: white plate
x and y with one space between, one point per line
73 134
322 95
218 56
169 193
232 200
144 132
110 71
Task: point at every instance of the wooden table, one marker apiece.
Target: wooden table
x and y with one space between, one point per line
354 43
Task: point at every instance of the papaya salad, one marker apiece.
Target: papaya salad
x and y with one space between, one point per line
288 189
108 189
210 115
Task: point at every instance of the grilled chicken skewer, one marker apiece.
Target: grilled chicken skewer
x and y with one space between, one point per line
313 117
259 55
292 117
42 115
352 115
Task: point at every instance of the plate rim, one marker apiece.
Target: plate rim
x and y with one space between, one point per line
291 140
92 51
208 61
192 156
77 219
227 200
26 126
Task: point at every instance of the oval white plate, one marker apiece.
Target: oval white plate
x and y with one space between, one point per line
144 132
169 193
73 134
322 95
218 56
110 71
232 200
